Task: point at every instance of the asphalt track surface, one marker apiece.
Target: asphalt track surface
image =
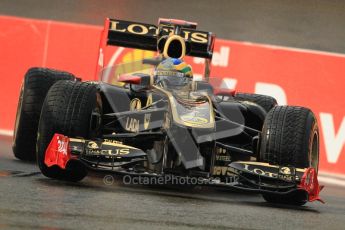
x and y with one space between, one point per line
28 200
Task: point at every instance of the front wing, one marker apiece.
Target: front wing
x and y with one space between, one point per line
114 157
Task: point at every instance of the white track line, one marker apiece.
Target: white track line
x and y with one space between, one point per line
331 181
6 132
333 175
332 178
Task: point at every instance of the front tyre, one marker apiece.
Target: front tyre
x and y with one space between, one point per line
68 109
290 137
37 82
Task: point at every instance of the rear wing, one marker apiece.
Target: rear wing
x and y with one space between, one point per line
155 38
146 36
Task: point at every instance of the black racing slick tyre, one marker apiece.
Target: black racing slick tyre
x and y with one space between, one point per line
290 137
266 102
69 109
35 86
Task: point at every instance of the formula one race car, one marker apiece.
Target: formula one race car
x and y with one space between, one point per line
150 118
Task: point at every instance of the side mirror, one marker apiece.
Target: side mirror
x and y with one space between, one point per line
224 92
138 80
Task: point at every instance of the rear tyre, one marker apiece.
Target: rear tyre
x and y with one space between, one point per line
37 82
290 137
70 109
266 102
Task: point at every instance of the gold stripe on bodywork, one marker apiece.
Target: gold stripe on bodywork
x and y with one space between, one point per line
176 117
118 145
266 164
77 140
103 143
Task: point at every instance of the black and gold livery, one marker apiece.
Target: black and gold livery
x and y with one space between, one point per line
144 127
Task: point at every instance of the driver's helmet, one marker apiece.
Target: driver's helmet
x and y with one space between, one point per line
173 72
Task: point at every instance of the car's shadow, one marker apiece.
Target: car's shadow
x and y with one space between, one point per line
178 193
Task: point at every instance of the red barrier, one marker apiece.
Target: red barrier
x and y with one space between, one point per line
25 43
297 77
